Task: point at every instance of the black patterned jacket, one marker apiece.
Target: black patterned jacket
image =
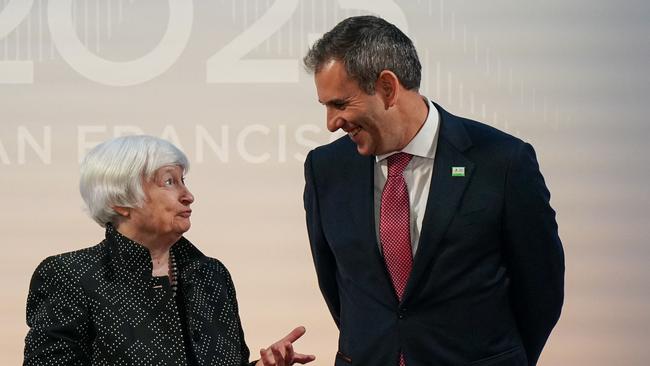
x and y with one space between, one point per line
101 306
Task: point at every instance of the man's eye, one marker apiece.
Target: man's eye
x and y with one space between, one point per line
340 106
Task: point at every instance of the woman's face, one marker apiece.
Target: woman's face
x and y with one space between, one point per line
166 208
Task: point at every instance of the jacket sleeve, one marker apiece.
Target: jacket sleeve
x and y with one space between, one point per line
533 252
324 259
57 317
232 295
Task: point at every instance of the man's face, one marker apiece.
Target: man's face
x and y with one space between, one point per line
360 115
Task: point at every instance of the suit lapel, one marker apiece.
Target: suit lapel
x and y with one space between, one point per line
364 212
445 193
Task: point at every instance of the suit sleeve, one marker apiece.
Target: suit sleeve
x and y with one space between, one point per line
57 317
533 252
323 257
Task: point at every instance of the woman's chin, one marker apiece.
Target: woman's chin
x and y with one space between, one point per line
185 228
182 227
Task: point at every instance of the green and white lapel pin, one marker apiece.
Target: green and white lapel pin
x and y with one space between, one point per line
457 171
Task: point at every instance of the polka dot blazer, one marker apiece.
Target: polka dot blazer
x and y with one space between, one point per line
101 306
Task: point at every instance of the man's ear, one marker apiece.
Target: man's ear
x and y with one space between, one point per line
122 211
387 86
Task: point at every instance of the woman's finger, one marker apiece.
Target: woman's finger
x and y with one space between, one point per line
277 355
294 334
266 356
288 347
303 359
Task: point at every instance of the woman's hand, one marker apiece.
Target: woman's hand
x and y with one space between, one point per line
281 352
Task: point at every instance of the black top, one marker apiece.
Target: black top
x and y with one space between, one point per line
101 306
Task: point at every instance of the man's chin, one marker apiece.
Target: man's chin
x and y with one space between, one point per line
365 143
365 150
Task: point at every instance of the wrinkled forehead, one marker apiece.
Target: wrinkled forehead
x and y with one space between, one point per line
172 169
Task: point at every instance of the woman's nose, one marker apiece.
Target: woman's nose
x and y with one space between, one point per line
187 198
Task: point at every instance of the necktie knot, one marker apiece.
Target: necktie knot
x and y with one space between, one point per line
397 163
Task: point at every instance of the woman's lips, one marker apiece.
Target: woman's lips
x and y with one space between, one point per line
186 214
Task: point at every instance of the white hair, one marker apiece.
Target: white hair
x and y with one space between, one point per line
112 173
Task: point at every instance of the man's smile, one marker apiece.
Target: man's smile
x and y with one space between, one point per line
353 132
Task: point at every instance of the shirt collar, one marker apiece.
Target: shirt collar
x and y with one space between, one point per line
423 144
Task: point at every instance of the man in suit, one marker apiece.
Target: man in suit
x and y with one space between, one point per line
432 235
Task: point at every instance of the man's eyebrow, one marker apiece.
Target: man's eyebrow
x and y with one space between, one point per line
333 101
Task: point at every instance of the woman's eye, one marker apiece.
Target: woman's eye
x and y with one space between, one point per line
169 182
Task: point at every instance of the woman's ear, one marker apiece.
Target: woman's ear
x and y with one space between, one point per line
387 86
122 211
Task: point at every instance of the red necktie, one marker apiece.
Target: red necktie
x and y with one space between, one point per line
395 227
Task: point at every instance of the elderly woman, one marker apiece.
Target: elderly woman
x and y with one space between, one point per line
144 295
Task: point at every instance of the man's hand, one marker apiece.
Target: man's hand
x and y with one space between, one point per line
281 352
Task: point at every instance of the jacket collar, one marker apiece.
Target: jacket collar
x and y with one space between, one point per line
453 130
445 194
135 257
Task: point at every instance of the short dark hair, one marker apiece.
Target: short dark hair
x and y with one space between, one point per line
367 45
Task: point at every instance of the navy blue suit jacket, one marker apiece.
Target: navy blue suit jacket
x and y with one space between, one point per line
487 282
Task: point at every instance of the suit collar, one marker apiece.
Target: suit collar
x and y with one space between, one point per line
445 194
357 205
453 130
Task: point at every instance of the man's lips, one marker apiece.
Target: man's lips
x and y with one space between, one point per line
186 214
354 131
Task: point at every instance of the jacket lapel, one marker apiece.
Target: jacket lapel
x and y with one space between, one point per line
445 193
364 212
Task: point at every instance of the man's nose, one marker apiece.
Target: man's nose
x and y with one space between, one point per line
334 121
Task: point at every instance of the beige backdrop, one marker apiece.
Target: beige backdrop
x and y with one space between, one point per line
222 79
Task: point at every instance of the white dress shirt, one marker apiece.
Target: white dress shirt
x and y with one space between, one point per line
417 174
